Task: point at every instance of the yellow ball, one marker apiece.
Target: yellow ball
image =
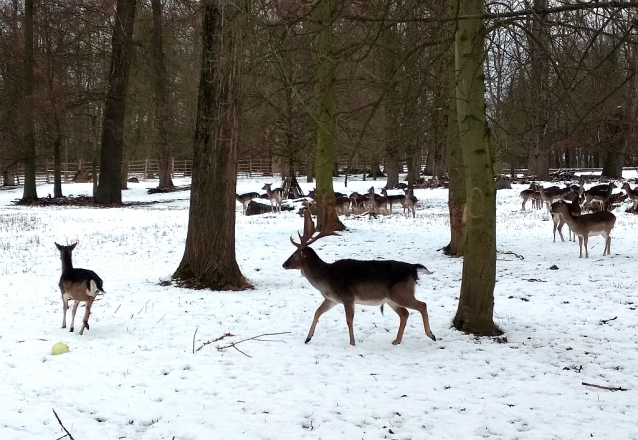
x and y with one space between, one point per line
59 348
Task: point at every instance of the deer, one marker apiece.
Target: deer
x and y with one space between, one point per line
596 223
351 282
528 194
80 285
409 203
599 194
357 202
377 201
274 195
394 198
245 199
553 194
632 194
559 220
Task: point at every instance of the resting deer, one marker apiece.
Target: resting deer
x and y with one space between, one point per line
559 220
351 282
632 194
599 194
275 195
596 223
80 285
245 199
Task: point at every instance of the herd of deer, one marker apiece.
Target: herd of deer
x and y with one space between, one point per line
566 205
354 203
373 282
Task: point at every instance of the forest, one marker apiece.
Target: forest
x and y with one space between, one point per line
560 83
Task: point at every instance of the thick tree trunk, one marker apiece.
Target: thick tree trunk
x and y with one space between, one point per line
476 302
325 155
161 99
454 159
209 258
30 192
109 190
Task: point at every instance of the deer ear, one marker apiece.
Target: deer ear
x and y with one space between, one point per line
74 245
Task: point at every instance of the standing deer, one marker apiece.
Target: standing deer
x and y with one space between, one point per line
596 223
528 194
351 282
559 220
245 199
409 202
600 193
275 195
80 285
377 202
393 198
632 194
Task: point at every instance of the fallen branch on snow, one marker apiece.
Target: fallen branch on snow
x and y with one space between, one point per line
254 338
68 434
602 387
225 335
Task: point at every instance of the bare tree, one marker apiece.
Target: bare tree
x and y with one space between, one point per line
30 192
476 303
109 190
209 258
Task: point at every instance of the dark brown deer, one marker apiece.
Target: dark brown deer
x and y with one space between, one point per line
80 285
351 282
596 223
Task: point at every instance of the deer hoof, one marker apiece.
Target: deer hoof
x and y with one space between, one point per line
307 340
433 337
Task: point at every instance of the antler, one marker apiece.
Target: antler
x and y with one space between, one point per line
309 229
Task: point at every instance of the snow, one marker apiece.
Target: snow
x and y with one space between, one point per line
134 375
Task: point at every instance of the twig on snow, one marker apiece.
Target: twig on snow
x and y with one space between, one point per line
605 321
225 335
602 387
68 434
255 338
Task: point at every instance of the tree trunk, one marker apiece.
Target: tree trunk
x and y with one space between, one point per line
209 258
30 192
325 156
57 169
109 190
476 302
454 159
161 99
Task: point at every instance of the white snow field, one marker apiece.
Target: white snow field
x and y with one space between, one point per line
134 375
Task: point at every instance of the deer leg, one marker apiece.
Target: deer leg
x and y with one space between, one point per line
323 308
65 307
403 295
403 317
607 245
349 318
76 303
85 321
580 245
585 239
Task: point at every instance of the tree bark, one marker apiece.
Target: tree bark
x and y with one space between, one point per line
326 122
30 192
161 99
109 190
57 168
476 302
454 159
209 258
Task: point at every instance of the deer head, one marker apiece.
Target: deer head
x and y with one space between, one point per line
299 258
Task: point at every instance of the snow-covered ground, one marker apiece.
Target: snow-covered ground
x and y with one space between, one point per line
134 375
